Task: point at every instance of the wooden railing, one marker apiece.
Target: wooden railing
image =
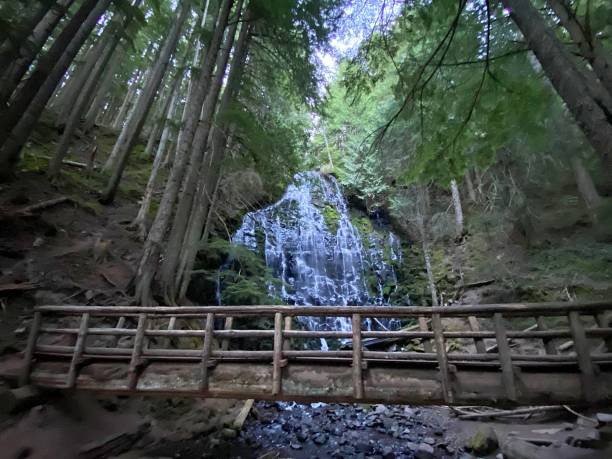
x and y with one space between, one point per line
451 342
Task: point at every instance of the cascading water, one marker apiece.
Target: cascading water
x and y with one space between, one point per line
320 257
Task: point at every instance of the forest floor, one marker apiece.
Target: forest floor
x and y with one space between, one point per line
80 252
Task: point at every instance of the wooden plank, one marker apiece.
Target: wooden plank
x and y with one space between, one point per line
30 348
583 354
207 350
436 324
244 413
228 324
481 348
136 352
549 345
78 351
424 327
357 357
505 358
277 370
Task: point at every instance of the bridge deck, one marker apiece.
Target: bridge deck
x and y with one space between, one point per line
504 354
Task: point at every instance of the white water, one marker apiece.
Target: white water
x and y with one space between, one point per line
319 265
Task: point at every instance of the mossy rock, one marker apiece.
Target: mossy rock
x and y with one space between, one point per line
331 216
484 441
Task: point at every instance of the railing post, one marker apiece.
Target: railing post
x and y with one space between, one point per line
207 350
288 326
549 345
481 348
229 323
357 357
137 352
28 355
436 325
505 358
423 326
277 369
583 354
78 351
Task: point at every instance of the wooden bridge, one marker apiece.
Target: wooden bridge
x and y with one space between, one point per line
507 354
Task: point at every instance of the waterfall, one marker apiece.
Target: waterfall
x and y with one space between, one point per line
319 255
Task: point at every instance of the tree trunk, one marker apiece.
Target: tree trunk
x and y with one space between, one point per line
21 117
29 50
104 52
209 175
140 220
152 249
125 105
107 81
469 184
585 184
130 133
200 140
590 47
458 209
566 78
423 227
11 46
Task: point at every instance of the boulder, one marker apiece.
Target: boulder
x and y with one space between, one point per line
515 448
424 451
484 441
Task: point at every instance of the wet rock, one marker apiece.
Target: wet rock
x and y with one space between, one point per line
429 441
387 453
229 433
604 418
320 439
424 451
301 436
515 448
484 441
295 445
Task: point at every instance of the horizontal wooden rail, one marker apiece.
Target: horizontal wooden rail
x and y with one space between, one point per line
485 310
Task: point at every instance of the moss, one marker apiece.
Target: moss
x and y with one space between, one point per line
331 217
363 225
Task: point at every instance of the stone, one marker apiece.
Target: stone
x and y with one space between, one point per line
22 398
295 445
484 441
429 440
604 418
424 451
515 448
320 439
387 453
380 409
229 433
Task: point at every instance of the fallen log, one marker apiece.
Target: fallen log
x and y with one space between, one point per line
28 210
112 445
244 413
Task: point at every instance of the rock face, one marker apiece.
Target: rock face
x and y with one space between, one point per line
322 254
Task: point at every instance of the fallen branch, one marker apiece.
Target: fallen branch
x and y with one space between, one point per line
14 287
28 210
469 412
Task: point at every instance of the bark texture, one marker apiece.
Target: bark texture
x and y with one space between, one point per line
152 249
20 118
129 134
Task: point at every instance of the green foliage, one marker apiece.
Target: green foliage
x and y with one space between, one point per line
244 275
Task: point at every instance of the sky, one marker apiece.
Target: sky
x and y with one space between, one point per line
359 20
